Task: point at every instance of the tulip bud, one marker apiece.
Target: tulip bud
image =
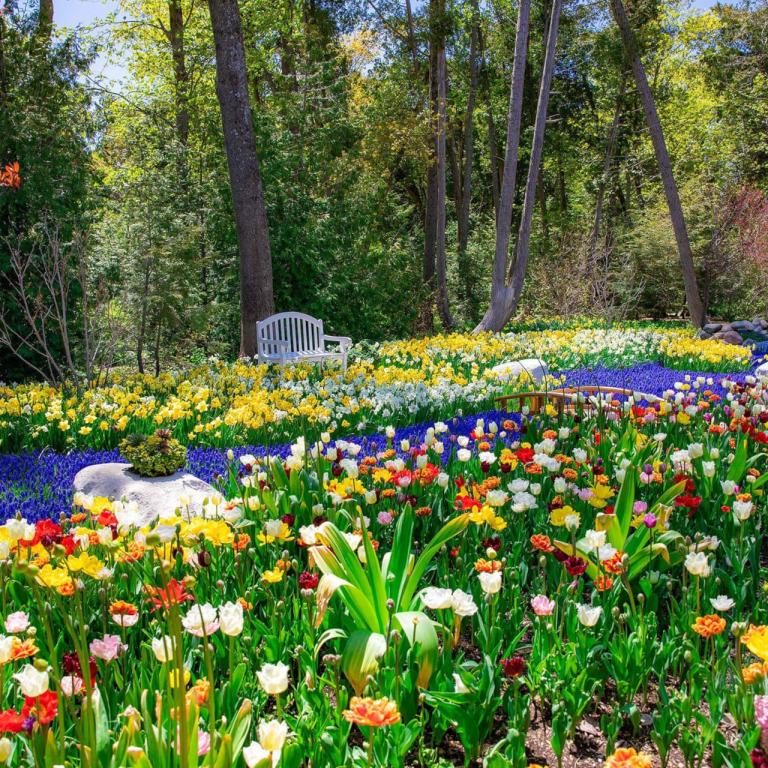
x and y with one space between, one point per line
738 628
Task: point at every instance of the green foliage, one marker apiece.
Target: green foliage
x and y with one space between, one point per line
155 455
339 99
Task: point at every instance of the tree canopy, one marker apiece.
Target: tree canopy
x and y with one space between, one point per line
380 129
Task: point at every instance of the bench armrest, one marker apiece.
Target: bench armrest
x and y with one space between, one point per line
342 341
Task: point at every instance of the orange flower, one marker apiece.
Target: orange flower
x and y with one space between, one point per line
372 712
121 608
78 517
533 468
542 542
9 176
490 483
23 650
614 563
484 446
570 474
132 554
549 434
241 541
487 566
754 672
628 757
708 626
199 692
603 583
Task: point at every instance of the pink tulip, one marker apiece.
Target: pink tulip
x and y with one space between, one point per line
542 605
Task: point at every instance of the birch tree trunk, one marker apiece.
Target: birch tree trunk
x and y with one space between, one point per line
494 313
256 297
522 250
692 294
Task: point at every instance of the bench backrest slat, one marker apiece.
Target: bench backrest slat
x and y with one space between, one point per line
303 333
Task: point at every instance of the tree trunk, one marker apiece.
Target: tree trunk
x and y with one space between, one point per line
493 153
157 348
180 74
430 204
468 152
256 297
441 264
3 77
411 37
537 148
610 146
143 322
541 197
692 295
493 316
45 21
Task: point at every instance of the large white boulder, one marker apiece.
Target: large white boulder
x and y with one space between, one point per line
154 496
535 368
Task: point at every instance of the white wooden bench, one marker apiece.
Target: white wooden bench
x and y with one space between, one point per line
293 337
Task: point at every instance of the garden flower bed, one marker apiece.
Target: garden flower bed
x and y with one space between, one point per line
581 589
404 382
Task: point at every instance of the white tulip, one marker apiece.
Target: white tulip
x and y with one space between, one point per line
697 564
588 615
32 682
722 603
436 598
231 619
463 604
164 648
273 678
490 582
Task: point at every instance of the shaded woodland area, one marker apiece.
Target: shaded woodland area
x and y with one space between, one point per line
403 164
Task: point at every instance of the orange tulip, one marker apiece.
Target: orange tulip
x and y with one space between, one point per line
373 713
709 626
628 757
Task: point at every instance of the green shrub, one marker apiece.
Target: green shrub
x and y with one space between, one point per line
155 455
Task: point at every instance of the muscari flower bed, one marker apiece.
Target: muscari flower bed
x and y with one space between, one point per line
38 485
579 589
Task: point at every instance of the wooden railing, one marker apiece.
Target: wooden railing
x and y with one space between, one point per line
563 398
